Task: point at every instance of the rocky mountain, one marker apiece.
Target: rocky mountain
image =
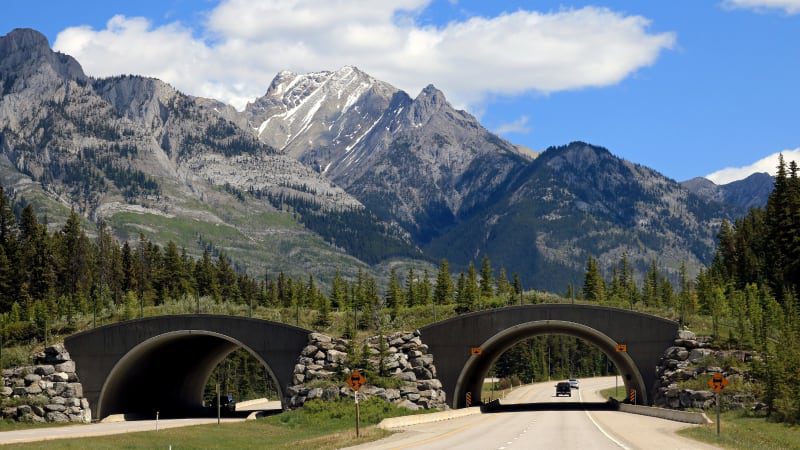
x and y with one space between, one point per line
144 157
739 196
580 200
334 170
417 161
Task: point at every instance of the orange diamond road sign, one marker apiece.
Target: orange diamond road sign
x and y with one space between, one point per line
356 380
622 348
475 351
717 382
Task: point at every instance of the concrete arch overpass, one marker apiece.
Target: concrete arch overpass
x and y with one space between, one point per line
162 363
495 330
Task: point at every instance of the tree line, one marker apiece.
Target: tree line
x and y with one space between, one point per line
751 289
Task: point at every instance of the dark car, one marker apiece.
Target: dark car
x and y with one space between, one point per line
563 388
226 403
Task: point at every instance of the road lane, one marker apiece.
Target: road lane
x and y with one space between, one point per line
548 429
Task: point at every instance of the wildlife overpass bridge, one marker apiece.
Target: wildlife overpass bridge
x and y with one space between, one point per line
163 363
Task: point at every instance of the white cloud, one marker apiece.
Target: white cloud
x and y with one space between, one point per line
517 126
788 6
244 43
768 164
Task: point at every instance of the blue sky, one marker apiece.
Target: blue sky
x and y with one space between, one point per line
701 85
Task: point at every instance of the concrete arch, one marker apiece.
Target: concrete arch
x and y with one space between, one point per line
471 377
162 363
450 341
176 366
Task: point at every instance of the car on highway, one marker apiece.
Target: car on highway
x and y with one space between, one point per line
573 383
563 388
226 402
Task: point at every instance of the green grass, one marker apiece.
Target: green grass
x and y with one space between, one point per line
618 394
745 432
11 425
317 425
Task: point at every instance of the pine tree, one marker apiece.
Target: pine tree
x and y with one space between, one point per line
338 290
487 279
650 294
593 284
411 294
424 289
503 286
394 295
517 287
443 292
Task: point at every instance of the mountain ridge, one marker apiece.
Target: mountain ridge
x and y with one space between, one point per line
337 157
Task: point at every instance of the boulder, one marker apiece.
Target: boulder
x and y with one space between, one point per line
44 370
59 377
422 373
314 393
335 356
5 391
330 393
686 334
23 410
408 405
37 410
319 337
73 390
309 350
10 412
66 366
407 376
34 389
433 384
391 394
56 417
698 354
678 353
54 407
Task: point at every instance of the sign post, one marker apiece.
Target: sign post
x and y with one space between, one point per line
355 381
717 382
218 407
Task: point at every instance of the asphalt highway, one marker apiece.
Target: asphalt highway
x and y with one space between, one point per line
543 428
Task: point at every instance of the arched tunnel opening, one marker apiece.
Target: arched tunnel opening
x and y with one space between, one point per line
170 374
471 380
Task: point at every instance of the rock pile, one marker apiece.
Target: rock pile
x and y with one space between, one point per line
48 391
686 360
406 359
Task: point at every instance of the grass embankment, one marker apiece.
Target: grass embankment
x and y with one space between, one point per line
618 394
494 391
741 431
12 425
318 425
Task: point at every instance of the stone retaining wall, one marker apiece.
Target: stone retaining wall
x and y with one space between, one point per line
325 359
684 361
47 391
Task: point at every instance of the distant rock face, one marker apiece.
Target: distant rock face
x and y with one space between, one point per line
579 200
48 391
740 196
324 361
416 161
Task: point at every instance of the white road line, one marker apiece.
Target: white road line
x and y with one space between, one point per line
620 444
